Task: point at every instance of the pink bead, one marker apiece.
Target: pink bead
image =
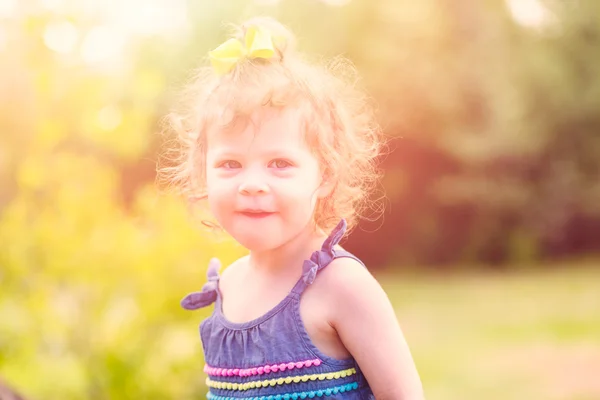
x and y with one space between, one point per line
253 371
205 368
236 371
274 367
317 362
229 372
291 365
299 364
282 367
218 371
308 363
260 370
267 369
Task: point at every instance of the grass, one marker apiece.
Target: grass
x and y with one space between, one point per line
517 335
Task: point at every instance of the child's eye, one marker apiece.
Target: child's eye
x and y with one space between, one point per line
230 164
280 164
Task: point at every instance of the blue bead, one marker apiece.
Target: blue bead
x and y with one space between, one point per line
320 393
277 397
328 392
311 394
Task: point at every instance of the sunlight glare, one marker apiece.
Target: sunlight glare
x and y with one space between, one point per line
8 8
530 13
53 4
61 37
102 44
150 17
109 118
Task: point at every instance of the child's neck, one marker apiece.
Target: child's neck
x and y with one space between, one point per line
288 257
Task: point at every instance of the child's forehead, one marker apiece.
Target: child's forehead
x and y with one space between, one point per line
268 126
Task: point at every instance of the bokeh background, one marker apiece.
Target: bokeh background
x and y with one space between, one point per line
489 245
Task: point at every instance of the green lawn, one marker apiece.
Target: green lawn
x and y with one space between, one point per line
517 335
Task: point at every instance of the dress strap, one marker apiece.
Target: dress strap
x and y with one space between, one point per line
208 294
322 258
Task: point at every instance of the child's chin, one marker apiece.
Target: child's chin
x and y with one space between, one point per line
258 242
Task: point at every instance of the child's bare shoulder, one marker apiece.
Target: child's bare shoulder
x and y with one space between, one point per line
345 276
231 273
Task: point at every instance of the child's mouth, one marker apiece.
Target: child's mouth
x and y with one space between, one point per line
256 214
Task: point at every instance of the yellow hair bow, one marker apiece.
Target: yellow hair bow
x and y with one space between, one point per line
258 44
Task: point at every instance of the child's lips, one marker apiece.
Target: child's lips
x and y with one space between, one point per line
256 214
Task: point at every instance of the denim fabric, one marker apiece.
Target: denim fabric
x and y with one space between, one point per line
273 349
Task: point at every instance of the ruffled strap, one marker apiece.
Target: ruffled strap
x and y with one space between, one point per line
321 258
208 294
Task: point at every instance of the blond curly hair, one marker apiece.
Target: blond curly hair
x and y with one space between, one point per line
336 115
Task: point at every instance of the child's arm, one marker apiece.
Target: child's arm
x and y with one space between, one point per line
367 325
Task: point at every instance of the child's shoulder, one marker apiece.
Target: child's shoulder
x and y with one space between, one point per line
231 273
345 276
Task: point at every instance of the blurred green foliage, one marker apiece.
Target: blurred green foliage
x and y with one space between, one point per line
498 161
89 301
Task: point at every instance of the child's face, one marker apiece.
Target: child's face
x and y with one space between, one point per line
263 182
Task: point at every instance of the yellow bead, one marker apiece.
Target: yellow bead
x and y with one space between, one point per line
296 379
288 379
336 375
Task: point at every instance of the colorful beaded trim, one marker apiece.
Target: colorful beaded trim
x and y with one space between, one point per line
293 396
280 381
259 370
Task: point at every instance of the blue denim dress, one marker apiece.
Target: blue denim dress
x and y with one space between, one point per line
272 357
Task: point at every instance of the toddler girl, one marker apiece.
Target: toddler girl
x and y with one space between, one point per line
284 153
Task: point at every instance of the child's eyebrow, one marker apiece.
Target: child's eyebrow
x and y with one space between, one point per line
273 153
227 154
270 153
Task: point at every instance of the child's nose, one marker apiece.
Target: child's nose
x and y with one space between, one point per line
252 186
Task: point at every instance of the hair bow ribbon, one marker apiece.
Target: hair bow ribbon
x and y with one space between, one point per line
258 43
